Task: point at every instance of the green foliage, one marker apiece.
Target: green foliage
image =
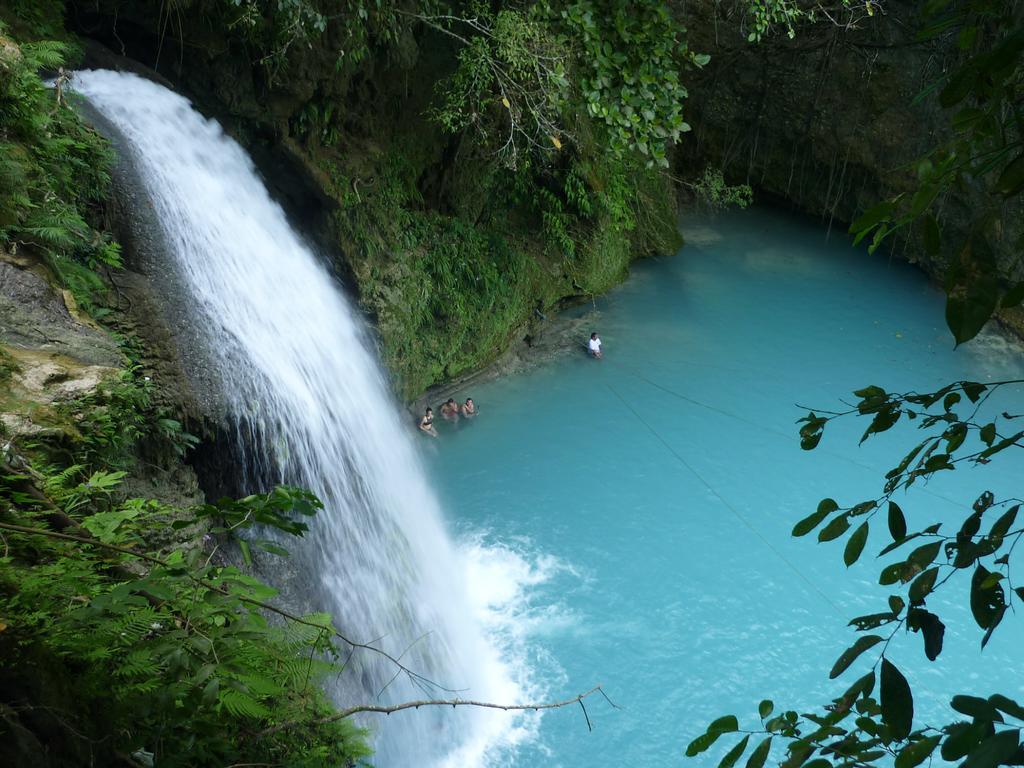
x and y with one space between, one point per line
526 76
53 171
446 293
511 70
764 17
860 726
106 423
280 29
167 652
180 660
630 62
33 20
715 194
983 98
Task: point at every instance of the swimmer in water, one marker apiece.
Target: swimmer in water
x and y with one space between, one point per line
427 423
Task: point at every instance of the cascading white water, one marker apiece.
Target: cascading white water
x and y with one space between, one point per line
297 372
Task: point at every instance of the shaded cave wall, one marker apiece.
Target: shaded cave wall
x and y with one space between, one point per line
833 122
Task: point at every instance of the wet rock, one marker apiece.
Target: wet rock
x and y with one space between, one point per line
35 317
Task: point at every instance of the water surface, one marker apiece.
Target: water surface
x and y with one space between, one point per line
630 517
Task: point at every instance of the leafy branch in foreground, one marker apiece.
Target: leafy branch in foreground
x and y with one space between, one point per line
176 649
861 727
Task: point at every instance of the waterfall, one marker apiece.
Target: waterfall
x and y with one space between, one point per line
300 380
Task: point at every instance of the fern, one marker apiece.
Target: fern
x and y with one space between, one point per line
56 484
45 54
53 168
240 704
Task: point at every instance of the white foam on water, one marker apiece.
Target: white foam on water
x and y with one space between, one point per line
300 379
502 587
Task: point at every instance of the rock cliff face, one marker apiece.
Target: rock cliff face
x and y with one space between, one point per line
827 121
833 121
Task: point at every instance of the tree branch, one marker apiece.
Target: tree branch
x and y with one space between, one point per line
342 714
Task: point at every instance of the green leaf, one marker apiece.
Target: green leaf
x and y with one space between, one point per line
863 687
922 585
891 574
897 522
960 84
923 198
960 739
850 654
1011 180
243 545
1013 297
993 751
272 548
988 433
973 390
924 555
1002 445
976 707
871 218
734 754
799 751
871 621
813 520
834 529
933 631
988 600
855 544
1003 524
764 709
917 752
760 754
897 544
897 701
967 311
211 692
701 743
725 724
1009 706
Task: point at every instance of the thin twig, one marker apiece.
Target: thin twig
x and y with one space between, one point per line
342 714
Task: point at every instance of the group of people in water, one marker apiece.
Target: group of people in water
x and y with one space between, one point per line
450 411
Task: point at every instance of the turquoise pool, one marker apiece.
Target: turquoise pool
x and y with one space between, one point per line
627 520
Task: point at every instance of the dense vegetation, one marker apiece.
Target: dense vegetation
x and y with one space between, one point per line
125 638
53 172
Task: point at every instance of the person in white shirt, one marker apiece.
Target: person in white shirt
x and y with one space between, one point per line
595 346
